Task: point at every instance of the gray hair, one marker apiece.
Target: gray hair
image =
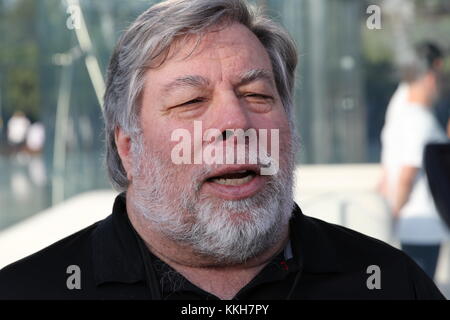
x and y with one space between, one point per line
149 38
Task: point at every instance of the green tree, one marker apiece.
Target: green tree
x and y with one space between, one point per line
19 57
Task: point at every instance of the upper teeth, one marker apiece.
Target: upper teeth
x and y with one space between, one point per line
233 182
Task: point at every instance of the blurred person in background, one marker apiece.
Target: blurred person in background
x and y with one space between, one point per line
35 142
35 138
410 125
17 128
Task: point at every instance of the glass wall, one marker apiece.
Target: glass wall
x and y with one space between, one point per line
330 111
53 74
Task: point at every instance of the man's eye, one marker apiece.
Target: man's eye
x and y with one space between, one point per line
258 96
193 101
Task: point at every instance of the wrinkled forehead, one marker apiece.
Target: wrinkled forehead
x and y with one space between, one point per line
231 44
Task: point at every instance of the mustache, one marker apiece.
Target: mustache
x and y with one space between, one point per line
205 171
155 163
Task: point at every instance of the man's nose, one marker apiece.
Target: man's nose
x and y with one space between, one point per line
230 113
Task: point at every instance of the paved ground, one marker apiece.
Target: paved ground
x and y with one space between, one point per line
53 224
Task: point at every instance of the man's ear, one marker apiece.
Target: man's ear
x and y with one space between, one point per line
123 143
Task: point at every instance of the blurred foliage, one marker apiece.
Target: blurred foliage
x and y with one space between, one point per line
22 91
19 57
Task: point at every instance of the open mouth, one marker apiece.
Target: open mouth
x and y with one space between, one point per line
235 182
236 178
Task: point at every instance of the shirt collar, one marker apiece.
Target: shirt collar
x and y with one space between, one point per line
312 246
117 257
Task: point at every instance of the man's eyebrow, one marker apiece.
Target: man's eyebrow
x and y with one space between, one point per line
194 81
256 74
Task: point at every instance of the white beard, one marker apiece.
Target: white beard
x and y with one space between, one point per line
226 231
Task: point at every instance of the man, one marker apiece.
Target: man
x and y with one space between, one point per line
409 127
208 229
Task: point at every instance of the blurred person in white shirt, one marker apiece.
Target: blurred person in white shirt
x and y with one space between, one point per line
18 126
35 137
410 125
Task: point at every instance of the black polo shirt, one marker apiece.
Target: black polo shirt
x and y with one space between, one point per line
324 261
